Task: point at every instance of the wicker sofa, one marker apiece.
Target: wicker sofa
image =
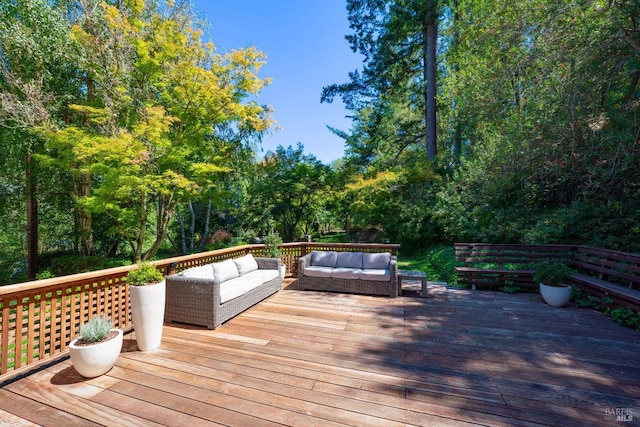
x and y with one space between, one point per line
211 294
351 272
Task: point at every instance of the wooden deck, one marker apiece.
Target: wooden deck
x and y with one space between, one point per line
321 359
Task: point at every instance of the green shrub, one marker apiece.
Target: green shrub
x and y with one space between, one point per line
550 273
146 273
96 330
626 317
271 243
437 261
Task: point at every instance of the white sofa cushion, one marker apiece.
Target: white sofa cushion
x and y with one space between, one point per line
324 258
349 260
375 274
200 272
225 270
231 289
345 273
376 261
266 275
236 287
246 264
318 271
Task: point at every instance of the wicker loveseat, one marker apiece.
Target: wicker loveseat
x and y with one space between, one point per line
211 294
351 272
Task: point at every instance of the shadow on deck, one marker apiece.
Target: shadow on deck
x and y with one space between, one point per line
313 358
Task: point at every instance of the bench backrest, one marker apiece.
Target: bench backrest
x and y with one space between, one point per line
613 266
504 255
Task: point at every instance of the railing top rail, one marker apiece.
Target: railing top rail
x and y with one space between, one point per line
115 271
57 282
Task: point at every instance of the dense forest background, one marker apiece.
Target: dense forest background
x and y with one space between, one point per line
125 135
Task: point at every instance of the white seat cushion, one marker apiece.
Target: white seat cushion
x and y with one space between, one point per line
231 289
346 273
239 286
318 271
377 261
246 264
225 270
200 272
375 274
265 275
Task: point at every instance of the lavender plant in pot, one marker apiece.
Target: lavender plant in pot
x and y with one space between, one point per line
97 348
550 276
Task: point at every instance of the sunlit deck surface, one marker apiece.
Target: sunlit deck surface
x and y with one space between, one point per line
310 358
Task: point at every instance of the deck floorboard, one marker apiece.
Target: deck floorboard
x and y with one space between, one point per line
303 358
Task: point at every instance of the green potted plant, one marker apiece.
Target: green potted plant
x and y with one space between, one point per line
147 289
97 348
272 242
550 276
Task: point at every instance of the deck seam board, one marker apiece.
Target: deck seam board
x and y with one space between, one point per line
43 392
264 396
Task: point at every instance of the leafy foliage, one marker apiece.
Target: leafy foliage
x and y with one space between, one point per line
145 274
96 330
272 241
550 273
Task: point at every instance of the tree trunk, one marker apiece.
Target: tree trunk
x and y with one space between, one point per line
205 235
457 136
32 219
430 37
192 227
84 218
165 211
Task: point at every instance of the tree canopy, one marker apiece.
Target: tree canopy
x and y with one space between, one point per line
126 133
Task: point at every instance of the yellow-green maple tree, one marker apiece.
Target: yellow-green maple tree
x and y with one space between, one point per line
140 142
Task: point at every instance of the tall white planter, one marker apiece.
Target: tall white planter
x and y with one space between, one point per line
147 311
556 296
95 359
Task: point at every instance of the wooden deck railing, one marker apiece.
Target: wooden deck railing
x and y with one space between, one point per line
38 319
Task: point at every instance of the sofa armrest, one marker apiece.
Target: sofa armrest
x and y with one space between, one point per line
269 263
393 265
303 262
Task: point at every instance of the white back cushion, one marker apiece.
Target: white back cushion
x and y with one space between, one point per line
246 264
200 272
381 260
225 270
324 258
349 260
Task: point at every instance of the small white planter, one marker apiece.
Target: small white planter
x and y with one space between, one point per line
95 359
555 296
147 311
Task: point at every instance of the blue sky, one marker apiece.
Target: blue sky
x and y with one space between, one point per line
306 50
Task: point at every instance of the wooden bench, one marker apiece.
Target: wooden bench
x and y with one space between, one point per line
607 273
498 265
599 272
